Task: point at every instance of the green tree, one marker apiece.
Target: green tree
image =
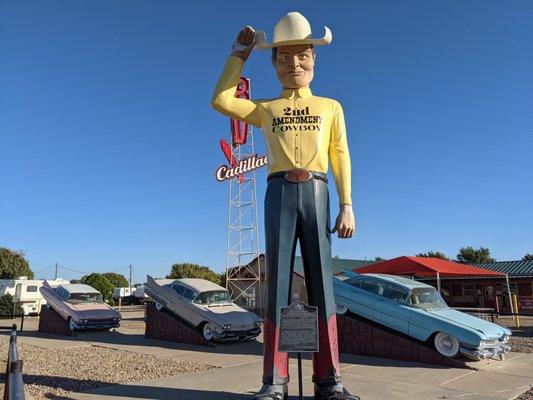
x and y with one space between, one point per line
527 257
469 255
434 254
7 308
223 279
188 270
380 259
118 280
13 264
100 283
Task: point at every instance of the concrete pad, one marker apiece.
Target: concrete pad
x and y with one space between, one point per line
237 382
502 386
517 364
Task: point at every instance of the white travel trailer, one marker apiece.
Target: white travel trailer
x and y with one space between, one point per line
131 295
26 292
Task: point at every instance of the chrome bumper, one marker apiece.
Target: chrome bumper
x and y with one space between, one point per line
97 324
231 336
482 354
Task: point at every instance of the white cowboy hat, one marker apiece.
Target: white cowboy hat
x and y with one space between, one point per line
292 29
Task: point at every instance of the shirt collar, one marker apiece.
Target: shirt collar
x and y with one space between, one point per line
301 92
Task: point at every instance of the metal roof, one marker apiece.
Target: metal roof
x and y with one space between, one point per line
513 268
337 264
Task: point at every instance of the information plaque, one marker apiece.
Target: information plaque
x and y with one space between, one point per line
298 331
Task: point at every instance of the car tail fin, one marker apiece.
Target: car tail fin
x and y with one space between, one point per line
350 273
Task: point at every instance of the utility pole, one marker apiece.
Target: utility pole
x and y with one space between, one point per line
131 268
55 274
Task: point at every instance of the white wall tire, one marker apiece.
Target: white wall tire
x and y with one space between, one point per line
158 306
207 331
71 325
446 344
340 309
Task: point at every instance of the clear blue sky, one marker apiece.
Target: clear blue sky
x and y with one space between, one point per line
108 144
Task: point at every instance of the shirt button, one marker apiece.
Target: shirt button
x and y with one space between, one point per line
296 148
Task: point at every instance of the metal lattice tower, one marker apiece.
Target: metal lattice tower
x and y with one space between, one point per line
243 280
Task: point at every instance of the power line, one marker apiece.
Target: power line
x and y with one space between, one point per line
73 270
44 269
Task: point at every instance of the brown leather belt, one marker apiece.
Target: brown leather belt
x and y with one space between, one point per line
298 175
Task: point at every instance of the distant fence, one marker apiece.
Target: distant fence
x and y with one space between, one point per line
489 314
14 386
13 316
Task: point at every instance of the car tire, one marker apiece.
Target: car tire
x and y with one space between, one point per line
446 345
71 324
207 331
158 306
340 309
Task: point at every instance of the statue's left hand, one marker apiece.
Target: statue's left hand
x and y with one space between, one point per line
345 222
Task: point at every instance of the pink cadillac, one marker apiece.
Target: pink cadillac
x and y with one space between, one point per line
81 306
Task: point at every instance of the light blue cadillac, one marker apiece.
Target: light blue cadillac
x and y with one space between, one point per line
418 310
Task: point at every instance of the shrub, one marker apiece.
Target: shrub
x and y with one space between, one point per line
8 307
102 284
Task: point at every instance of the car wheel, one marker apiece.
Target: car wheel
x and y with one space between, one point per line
340 309
158 306
446 344
207 331
71 324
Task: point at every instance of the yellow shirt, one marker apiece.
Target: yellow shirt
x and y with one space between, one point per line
301 130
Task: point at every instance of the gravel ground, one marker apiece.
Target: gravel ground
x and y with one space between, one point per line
51 374
521 344
526 396
126 324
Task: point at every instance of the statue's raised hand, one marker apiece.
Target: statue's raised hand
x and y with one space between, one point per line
245 42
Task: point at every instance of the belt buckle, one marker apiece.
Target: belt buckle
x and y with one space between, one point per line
298 175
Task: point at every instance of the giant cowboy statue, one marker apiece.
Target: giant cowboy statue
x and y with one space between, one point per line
303 134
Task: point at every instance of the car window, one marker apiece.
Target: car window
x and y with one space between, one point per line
62 292
426 298
189 294
179 289
395 293
214 296
373 287
77 298
354 282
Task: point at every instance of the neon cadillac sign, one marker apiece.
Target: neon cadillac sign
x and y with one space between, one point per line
239 134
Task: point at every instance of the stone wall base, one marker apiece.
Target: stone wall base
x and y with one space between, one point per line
51 322
162 325
362 337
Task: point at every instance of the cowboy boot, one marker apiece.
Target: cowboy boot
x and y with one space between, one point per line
333 392
272 392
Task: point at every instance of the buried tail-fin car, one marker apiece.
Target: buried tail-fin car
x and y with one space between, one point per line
81 306
418 310
205 305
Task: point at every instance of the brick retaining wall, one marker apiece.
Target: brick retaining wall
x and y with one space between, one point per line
51 322
358 336
162 325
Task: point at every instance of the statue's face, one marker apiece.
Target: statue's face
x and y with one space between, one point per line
295 65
